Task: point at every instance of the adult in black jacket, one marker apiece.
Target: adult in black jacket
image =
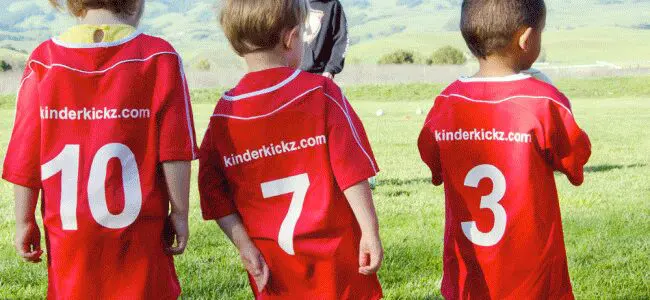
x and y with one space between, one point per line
326 38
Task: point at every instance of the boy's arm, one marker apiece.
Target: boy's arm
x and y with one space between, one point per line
567 146
340 47
352 163
429 151
177 176
371 252
253 260
28 235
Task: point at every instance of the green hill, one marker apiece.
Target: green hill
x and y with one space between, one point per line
578 31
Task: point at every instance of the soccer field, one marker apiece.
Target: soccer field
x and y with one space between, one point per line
606 221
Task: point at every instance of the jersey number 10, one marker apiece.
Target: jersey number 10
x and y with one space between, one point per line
67 163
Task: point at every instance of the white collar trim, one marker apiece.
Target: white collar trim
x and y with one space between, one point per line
263 91
514 77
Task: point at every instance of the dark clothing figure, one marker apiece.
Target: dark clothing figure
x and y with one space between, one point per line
326 38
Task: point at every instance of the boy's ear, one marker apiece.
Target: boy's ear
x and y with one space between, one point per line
289 37
524 38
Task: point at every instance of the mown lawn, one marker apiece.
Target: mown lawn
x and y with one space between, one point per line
606 221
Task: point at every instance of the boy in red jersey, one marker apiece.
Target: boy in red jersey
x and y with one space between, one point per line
495 140
104 132
284 166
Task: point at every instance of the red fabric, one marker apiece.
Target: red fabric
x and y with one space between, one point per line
529 260
142 81
326 235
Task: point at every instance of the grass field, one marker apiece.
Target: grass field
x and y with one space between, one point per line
606 221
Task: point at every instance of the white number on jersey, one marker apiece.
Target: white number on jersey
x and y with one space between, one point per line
67 163
490 202
297 185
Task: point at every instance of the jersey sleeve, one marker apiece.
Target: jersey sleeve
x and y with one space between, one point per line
177 138
429 150
567 147
213 187
22 160
350 154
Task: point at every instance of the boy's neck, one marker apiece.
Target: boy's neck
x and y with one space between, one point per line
263 60
497 66
103 16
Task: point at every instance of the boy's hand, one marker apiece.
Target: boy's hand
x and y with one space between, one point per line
255 265
371 254
328 75
28 241
178 230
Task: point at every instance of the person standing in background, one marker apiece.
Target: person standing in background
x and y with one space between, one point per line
326 37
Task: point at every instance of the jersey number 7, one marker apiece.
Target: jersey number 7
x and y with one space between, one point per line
297 185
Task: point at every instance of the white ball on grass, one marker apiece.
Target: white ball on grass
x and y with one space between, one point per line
418 111
379 113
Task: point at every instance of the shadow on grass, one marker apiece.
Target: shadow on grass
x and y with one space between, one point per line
403 182
606 168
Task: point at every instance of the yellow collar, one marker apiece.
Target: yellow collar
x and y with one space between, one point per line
84 33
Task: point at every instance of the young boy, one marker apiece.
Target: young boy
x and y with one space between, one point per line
284 166
104 132
495 140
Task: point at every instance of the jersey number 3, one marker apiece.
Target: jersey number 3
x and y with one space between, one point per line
67 163
490 202
297 185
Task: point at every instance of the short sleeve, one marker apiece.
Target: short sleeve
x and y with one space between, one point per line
177 138
429 150
350 154
22 160
213 186
566 146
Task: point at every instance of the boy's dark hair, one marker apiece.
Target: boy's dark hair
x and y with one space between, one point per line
79 7
488 26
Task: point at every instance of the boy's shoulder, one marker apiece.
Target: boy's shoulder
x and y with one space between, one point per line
524 90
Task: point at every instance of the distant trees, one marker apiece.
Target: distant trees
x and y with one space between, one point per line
447 55
203 65
5 66
400 57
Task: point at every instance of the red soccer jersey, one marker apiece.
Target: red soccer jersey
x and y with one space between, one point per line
93 123
280 150
495 143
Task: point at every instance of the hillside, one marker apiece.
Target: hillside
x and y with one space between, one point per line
376 27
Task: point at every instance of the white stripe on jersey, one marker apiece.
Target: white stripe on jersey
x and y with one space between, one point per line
513 77
344 110
104 70
354 130
263 91
271 113
506 99
134 60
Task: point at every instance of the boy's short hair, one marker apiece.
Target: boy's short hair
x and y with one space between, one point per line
488 26
79 7
255 25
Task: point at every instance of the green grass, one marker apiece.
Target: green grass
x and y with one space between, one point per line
606 221
585 45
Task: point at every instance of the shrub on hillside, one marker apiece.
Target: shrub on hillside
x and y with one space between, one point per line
447 55
400 57
4 66
203 65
